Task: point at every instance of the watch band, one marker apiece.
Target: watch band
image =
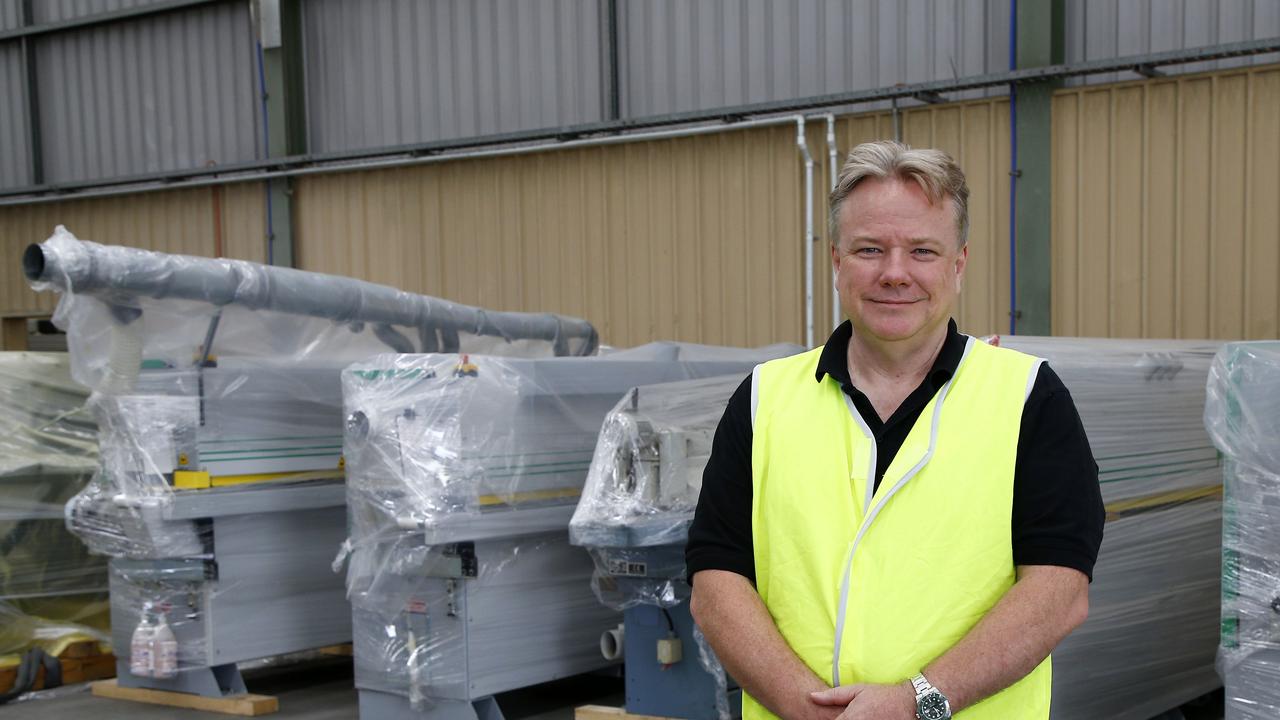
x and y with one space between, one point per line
921 685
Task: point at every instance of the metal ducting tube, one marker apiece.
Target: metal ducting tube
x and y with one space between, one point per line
115 273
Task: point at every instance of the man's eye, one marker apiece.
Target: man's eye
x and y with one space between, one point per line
867 251
924 251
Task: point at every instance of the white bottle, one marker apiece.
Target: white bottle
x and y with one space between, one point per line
164 650
141 659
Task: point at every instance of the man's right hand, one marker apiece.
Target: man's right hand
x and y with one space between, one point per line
870 702
741 631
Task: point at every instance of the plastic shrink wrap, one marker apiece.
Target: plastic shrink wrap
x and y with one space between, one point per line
1148 645
1242 415
463 473
48 452
217 388
633 518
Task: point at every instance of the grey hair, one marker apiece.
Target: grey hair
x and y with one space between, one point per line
934 171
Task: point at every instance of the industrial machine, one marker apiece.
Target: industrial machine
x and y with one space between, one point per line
463 473
1242 415
48 452
1148 645
220 496
634 519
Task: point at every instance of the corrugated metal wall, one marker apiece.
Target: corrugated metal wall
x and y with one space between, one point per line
161 93
678 56
696 239
47 11
1098 29
55 10
181 90
10 14
177 221
1166 208
401 71
15 165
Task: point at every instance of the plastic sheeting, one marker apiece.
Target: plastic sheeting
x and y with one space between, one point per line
48 451
642 489
1148 644
463 472
217 387
20 630
434 441
641 493
520 616
1242 415
223 371
234 306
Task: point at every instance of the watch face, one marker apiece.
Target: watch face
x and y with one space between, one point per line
933 707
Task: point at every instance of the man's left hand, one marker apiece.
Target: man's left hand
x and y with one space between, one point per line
870 702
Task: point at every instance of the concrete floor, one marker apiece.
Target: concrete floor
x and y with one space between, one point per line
317 690
323 690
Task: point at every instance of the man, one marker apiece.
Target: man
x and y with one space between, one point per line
903 522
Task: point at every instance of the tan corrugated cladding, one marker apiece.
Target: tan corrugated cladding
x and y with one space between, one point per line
228 220
976 134
697 239
1166 214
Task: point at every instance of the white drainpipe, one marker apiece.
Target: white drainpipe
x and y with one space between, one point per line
809 239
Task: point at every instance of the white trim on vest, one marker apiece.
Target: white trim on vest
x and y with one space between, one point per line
1031 378
755 394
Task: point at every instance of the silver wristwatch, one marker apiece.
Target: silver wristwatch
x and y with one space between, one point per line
931 704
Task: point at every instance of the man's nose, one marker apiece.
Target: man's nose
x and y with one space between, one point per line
893 271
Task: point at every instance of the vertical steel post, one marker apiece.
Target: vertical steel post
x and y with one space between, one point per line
31 96
1039 41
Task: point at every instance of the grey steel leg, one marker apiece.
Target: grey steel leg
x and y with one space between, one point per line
376 705
216 681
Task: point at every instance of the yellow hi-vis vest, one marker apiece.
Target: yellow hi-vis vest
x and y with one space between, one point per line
871 587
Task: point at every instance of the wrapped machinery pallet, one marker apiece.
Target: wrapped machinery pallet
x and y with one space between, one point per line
634 519
1242 415
463 473
220 496
52 591
1148 645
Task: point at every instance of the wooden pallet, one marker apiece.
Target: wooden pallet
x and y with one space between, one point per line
605 712
336 650
248 704
81 662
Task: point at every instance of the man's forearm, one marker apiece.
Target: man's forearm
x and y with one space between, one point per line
740 630
1042 607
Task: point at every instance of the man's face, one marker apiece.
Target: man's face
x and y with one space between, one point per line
899 263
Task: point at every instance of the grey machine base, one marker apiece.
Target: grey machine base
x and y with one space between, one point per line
268 589
524 615
215 681
389 706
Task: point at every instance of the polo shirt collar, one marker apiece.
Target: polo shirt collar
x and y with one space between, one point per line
834 358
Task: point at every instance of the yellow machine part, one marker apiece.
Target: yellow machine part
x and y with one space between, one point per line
199 479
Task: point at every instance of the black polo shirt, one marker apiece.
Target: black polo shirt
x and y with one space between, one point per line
1057 505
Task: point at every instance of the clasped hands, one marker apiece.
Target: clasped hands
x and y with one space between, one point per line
868 702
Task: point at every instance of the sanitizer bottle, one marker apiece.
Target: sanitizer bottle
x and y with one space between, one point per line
141 659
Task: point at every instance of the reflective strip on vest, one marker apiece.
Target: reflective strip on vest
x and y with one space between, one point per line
872 585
